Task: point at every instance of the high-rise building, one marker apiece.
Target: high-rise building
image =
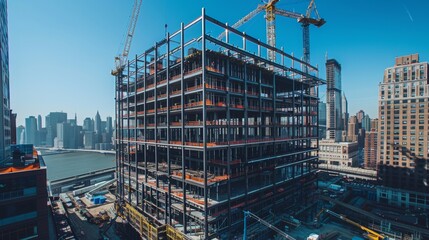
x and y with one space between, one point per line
51 126
182 139
87 125
5 131
20 134
333 100
403 123
63 139
374 124
352 129
344 112
12 127
322 120
88 140
360 115
97 124
366 123
23 191
109 127
31 130
39 122
370 149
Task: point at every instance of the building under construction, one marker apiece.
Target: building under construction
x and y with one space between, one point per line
207 128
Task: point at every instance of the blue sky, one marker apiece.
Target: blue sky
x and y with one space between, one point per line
61 52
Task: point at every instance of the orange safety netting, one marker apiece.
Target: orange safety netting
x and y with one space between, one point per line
18 169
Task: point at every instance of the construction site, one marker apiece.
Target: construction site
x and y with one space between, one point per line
211 126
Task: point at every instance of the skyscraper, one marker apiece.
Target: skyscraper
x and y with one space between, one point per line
370 151
31 130
360 115
13 127
87 124
333 100
20 135
403 123
366 123
322 120
51 126
344 112
39 122
109 127
97 123
352 129
63 139
5 138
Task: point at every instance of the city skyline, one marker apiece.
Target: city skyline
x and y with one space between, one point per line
80 55
208 132
80 118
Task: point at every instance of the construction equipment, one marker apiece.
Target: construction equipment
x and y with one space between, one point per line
306 21
270 16
372 235
102 233
121 59
262 221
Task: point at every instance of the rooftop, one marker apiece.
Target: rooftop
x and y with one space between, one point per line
25 158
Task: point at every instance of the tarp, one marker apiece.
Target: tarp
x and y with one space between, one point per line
19 169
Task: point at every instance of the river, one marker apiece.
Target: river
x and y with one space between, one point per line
68 164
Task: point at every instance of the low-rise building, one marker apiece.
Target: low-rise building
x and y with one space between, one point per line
338 153
23 196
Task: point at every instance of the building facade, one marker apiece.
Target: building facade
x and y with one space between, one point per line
404 125
5 131
344 113
203 135
344 154
370 149
322 120
333 101
31 130
23 201
352 133
51 126
366 123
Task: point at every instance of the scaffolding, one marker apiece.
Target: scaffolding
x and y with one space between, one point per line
208 128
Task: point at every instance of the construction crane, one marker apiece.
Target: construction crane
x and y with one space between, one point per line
262 221
372 235
121 59
270 16
306 21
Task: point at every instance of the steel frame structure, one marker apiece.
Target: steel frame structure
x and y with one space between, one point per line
204 135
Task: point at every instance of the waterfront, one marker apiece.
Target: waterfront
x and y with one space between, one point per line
67 164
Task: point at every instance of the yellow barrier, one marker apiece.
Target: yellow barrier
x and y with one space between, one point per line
174 234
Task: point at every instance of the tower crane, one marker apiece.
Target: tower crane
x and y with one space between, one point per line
270 16
121 59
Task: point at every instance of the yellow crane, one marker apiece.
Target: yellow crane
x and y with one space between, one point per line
270 16
372 235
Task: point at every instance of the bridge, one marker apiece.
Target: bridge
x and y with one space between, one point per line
79 181
350 172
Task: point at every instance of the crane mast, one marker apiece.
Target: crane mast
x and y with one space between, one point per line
270 16
122 58
306 21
